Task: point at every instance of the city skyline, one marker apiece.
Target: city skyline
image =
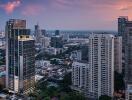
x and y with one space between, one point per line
66 14
97 81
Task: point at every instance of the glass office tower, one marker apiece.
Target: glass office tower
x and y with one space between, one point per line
20 57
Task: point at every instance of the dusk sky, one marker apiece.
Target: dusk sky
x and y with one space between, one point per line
66 14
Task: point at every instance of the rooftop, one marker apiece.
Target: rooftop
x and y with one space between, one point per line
25 38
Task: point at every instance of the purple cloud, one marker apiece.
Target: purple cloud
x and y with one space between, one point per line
10 6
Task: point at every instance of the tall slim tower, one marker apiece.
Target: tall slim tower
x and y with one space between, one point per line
38 34
118 54
122 24
128 61
20 59
101 64
128 56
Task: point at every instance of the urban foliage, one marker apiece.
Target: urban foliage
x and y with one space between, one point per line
119 82
105 97
2 57
44 55
63 92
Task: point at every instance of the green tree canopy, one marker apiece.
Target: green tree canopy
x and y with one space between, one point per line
105 97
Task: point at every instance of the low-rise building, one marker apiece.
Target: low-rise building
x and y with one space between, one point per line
45 42
129 92
76 55
80 71
53 51
42 63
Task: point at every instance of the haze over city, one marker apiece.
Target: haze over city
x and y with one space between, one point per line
66 14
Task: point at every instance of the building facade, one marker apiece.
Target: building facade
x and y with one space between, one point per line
45 42
101 65
80 77
122 20
76 55
37 34
20 57
56 42
128 56
118 54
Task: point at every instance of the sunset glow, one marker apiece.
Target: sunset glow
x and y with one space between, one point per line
68 14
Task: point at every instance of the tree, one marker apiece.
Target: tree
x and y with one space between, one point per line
67 79
47 98
66 82
72 96
118 82
52 91
42 85
54 61
105 97
76 96
65 97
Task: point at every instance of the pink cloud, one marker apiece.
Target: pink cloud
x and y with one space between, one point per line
32 10
9 7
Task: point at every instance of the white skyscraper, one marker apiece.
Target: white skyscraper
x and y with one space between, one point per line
101 65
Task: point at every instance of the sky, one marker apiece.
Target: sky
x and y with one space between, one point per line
66 14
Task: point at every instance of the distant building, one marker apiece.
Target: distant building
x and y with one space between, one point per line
65 37
56 42
76 55
80 73
118 54
43 32
2 34
42 63
101 65
38 34
45 42
20 57
53 51
57 32
122 24
85 52
78 40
